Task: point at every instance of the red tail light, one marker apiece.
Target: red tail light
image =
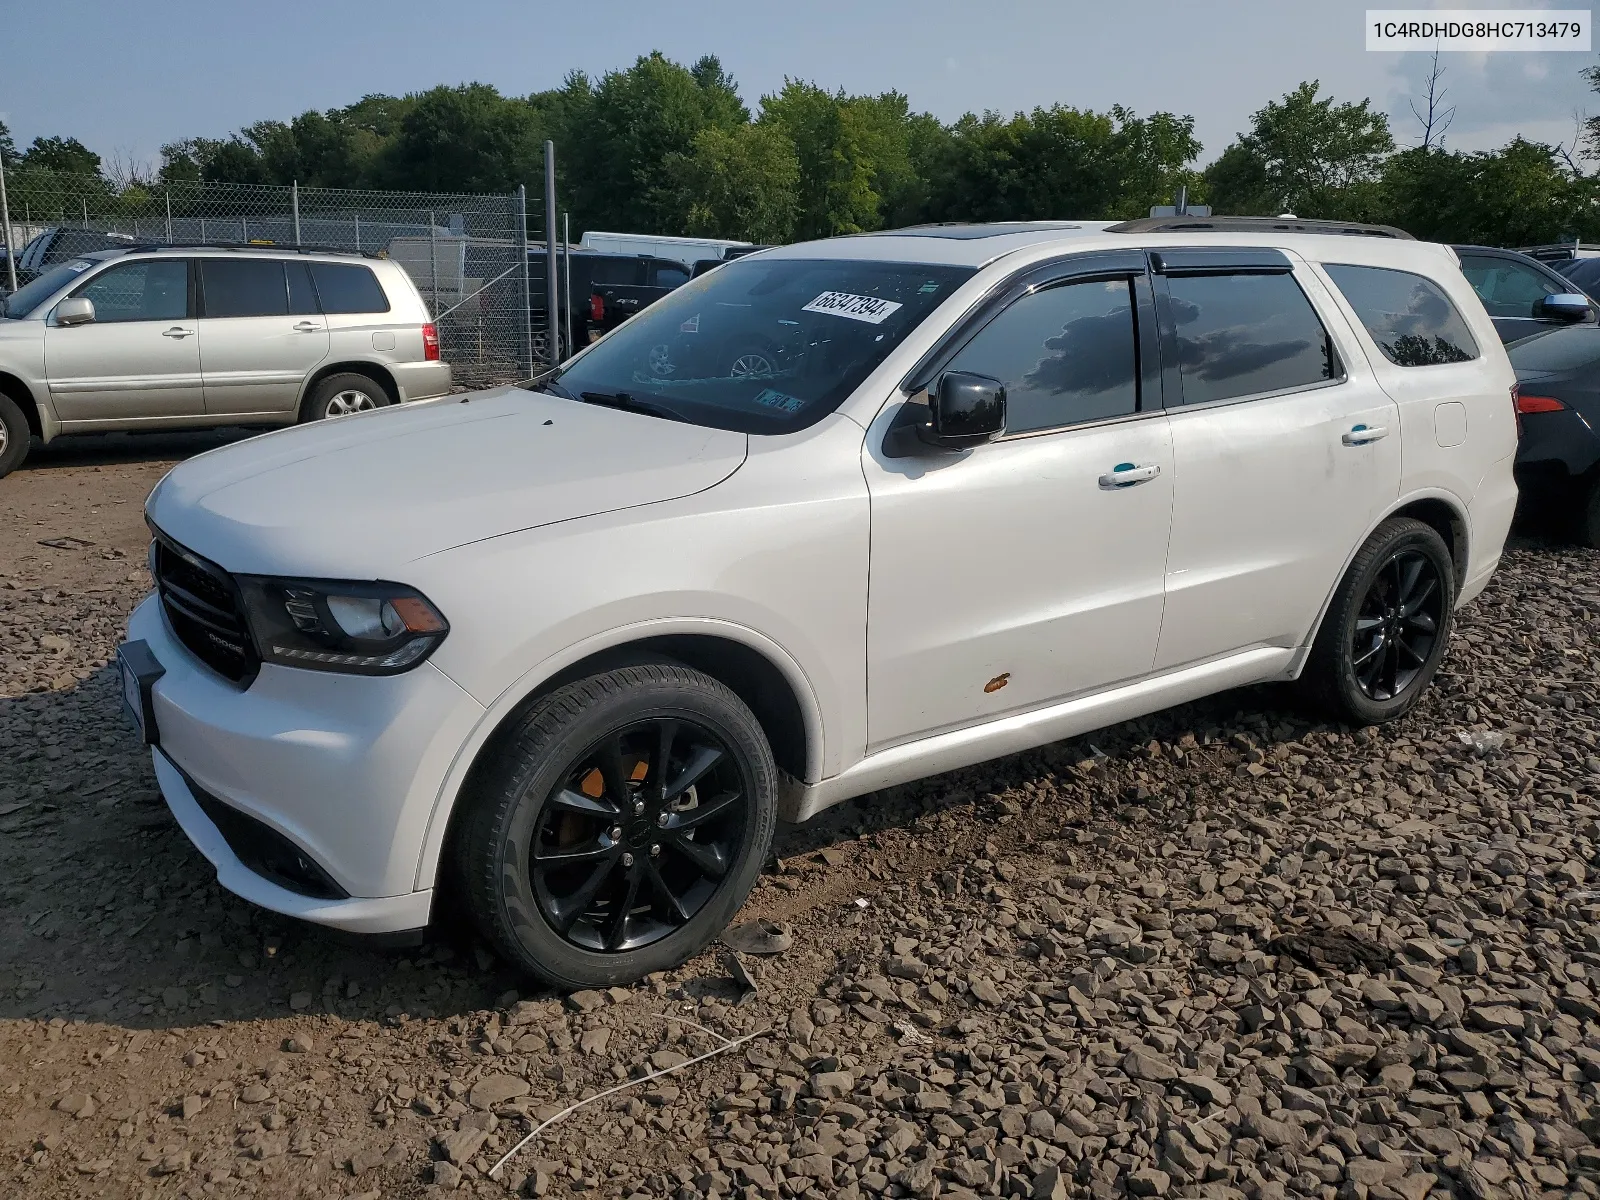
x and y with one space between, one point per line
1537 404
430 343
597 307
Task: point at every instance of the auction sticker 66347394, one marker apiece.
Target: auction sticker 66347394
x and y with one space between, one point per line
858 308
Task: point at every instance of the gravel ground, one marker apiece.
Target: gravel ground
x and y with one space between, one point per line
1224 951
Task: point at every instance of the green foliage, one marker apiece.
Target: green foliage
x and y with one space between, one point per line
662 147
739 182
1305 154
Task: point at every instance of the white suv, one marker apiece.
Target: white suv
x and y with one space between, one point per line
996 486
179 337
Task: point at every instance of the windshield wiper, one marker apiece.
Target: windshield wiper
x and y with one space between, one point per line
630 403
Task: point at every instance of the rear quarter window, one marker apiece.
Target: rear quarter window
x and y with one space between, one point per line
1408 316
348 288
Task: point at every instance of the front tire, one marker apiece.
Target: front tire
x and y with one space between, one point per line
618 826
14 435
342 396
1387 628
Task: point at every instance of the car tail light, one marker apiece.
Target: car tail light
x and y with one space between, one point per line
430 343
597 307
1516 408
1537 404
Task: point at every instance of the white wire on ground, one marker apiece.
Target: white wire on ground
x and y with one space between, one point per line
567 1112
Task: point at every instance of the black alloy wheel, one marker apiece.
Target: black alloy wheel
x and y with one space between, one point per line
615 826
1387 626
638 834
1397 625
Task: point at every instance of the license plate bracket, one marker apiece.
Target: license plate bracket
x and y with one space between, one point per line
139 670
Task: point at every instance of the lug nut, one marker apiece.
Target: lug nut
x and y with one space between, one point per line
655 851
638 807
663 819
616 833
627 860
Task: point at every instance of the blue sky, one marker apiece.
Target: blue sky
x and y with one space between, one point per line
126 77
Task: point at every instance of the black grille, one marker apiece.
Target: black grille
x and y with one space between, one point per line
203 607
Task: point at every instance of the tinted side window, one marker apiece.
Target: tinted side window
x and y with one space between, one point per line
1240 335
1413 322
302 299
1066 354
244 287
346 288
668 275
1507 289
614 270
141 291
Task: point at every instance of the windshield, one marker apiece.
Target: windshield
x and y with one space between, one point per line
761 345
1556 350
31 295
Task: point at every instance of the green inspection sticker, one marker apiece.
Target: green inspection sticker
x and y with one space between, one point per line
770 398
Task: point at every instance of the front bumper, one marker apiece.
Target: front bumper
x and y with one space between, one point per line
346 768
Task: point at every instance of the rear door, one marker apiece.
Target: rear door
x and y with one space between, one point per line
359 316
1285 450
261 334
139 357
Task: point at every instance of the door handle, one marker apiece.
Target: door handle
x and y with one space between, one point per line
1127 474
307 327
1362 434
177 331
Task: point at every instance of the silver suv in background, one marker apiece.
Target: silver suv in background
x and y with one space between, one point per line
182 337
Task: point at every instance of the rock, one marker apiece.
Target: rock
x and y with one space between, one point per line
494 1090
460 1146
832 1085
985 992
594 1041
1148 1181
254 1093
299 1043
1206 1090
444 1175
1048 1184
760 936
1495 1016
1144 1063
171 1164
1281 1134
586 1001
299 1001
193 1106
77 1104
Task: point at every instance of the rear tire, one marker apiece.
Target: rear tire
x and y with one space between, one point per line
1387 628
343 395
586 862
15 435
1587 532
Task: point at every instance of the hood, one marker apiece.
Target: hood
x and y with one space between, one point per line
360 496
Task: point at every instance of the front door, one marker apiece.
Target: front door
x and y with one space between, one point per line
262 331
1511 293
1285 449
1030 568
139 357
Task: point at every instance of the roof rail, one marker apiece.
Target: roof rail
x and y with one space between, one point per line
1255 225
267 247
1557 251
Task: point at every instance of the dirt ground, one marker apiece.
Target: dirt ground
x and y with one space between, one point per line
1227 951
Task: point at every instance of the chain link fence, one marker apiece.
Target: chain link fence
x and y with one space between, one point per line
467 254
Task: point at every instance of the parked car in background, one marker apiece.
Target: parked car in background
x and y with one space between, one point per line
702 265
166 337
1558 404
59 243
1521 294
989 495
681 249
1583 274
606 289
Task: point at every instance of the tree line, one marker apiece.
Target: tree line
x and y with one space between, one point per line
665 148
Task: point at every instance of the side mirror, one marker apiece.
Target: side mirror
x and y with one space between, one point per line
1563 306
967 410
75 310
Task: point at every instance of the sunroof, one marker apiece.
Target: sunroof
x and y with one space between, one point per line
967 233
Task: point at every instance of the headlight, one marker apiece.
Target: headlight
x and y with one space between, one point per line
360 628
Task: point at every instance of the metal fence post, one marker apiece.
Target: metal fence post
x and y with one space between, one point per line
84 200
5 225
358 233
552 282
169 214
433 259
294 203
521 208
566 277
